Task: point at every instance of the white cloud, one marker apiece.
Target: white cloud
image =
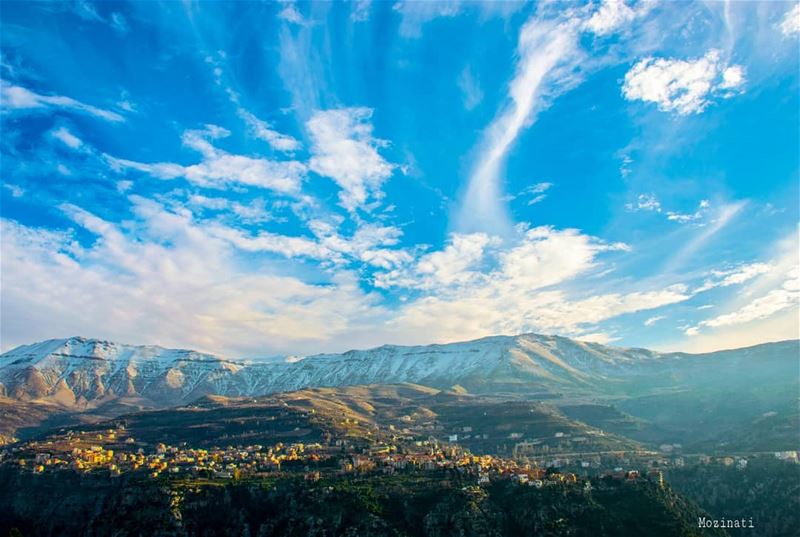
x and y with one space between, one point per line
763 307
414 15
534 193
773 289
137 278
119 23
653 320
172 283
360 11
253 212
219 169
683 86
790 25
369 244
18 98
86 11
258 128
266 241
683 218
717 221
290 14
597 337
614 14
737 276
124 185
479 285
455 264
645 202
264 131
67 138
344 149
732 77
470 87
15 190
372 244
548 50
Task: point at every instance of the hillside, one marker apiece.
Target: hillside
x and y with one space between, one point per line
365 414
372 505
83 379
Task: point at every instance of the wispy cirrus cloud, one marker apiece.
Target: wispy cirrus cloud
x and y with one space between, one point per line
470 88
546 48
721 218
219 169
790 24
763 307
550 55
650 321
65 136
14 97
264 131
771 289
684 218
735 276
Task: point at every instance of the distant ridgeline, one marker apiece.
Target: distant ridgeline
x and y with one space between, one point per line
748 396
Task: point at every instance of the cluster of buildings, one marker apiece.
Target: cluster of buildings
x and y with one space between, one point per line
116 451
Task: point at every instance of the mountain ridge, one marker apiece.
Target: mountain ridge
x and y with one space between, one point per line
98 379
78 370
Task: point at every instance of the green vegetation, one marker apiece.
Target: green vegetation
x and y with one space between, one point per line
767 490
439 505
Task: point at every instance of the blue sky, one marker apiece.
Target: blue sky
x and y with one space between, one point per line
256 178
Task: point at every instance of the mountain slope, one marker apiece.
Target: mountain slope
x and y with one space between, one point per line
79 372
106 378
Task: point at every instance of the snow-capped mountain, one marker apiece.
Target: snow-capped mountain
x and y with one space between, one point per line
79 372
86 373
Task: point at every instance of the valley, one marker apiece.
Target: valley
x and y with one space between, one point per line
589 436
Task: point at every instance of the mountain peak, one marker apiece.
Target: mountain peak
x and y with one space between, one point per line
533 364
